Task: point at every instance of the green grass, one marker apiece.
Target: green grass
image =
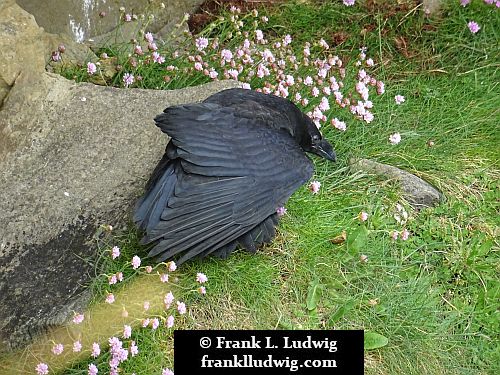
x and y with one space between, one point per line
435 296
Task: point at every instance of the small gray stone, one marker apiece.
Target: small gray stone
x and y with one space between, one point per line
418 192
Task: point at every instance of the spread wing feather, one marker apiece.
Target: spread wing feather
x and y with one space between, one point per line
226 176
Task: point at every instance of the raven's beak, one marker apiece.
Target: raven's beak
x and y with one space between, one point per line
325 150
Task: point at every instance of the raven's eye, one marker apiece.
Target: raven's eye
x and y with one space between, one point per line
315 138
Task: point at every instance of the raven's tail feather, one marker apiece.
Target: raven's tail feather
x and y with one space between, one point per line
150 207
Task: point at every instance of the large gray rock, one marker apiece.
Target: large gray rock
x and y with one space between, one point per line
418 192
72 157
80 155
82 19
25 47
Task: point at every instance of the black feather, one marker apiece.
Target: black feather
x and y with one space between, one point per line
230 163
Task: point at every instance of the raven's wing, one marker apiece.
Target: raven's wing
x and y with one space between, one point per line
231 173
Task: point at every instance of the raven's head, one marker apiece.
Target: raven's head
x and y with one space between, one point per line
278 113
312 141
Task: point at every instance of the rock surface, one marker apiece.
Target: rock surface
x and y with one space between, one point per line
432 7
418 192
81 19
26 48
72 157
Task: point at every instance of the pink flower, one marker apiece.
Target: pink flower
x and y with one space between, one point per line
324 105
473 27
405 234
136 262
170 322
282 91
93 369
115 252
138 50
314 187
56 56
96 350
308 81
149 37
380 87
323 44
233 73
363 216
112 280
146 305
370 62
281 211
181 307
315 92
77 346
91 68
134 350
157 58
155 323
119 276
167 371
201 278
145 322
226 55
152 47
395 138
149 269
57 349
164 278
127 17
172 266
464 2
212 73
201 43
78 318
169 298
259 35
128 79
42 369
127 331
198 66
349 2
362 90
110 298
368 117
340 125
399 99
394 235
202 290
287 40
289 80
262 71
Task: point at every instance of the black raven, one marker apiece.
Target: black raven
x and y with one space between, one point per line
231 162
